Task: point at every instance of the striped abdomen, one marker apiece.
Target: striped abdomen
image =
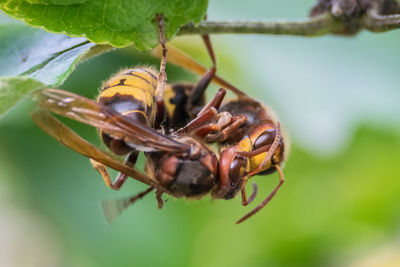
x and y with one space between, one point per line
130 93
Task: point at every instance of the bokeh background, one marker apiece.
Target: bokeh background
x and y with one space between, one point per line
337 98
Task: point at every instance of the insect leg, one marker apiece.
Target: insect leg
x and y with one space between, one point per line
198 121
224 124
268 199
69 138
206 114
162 75
179 58
215 102
201 86
160 201
237 121
210 132
226 129
121 177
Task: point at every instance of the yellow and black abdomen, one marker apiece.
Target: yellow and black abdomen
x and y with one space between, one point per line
130 93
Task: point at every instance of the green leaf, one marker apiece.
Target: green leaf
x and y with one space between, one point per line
115 22
39 58
12 89
49 58
56 2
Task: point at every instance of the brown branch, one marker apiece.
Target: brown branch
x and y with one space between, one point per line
315 26
380 23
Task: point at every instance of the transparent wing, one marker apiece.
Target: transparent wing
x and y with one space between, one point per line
134 133
69 138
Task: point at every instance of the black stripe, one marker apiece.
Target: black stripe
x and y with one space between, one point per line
131 74
128 85
151 74
121 82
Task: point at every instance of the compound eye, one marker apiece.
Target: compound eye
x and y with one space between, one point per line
266 138
237 168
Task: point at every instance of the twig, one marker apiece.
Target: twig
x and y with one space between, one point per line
380 23
316 26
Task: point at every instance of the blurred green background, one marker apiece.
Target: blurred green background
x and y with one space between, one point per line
338 100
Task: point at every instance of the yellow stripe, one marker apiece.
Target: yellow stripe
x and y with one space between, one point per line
138 93
131 81
145 75
168 95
